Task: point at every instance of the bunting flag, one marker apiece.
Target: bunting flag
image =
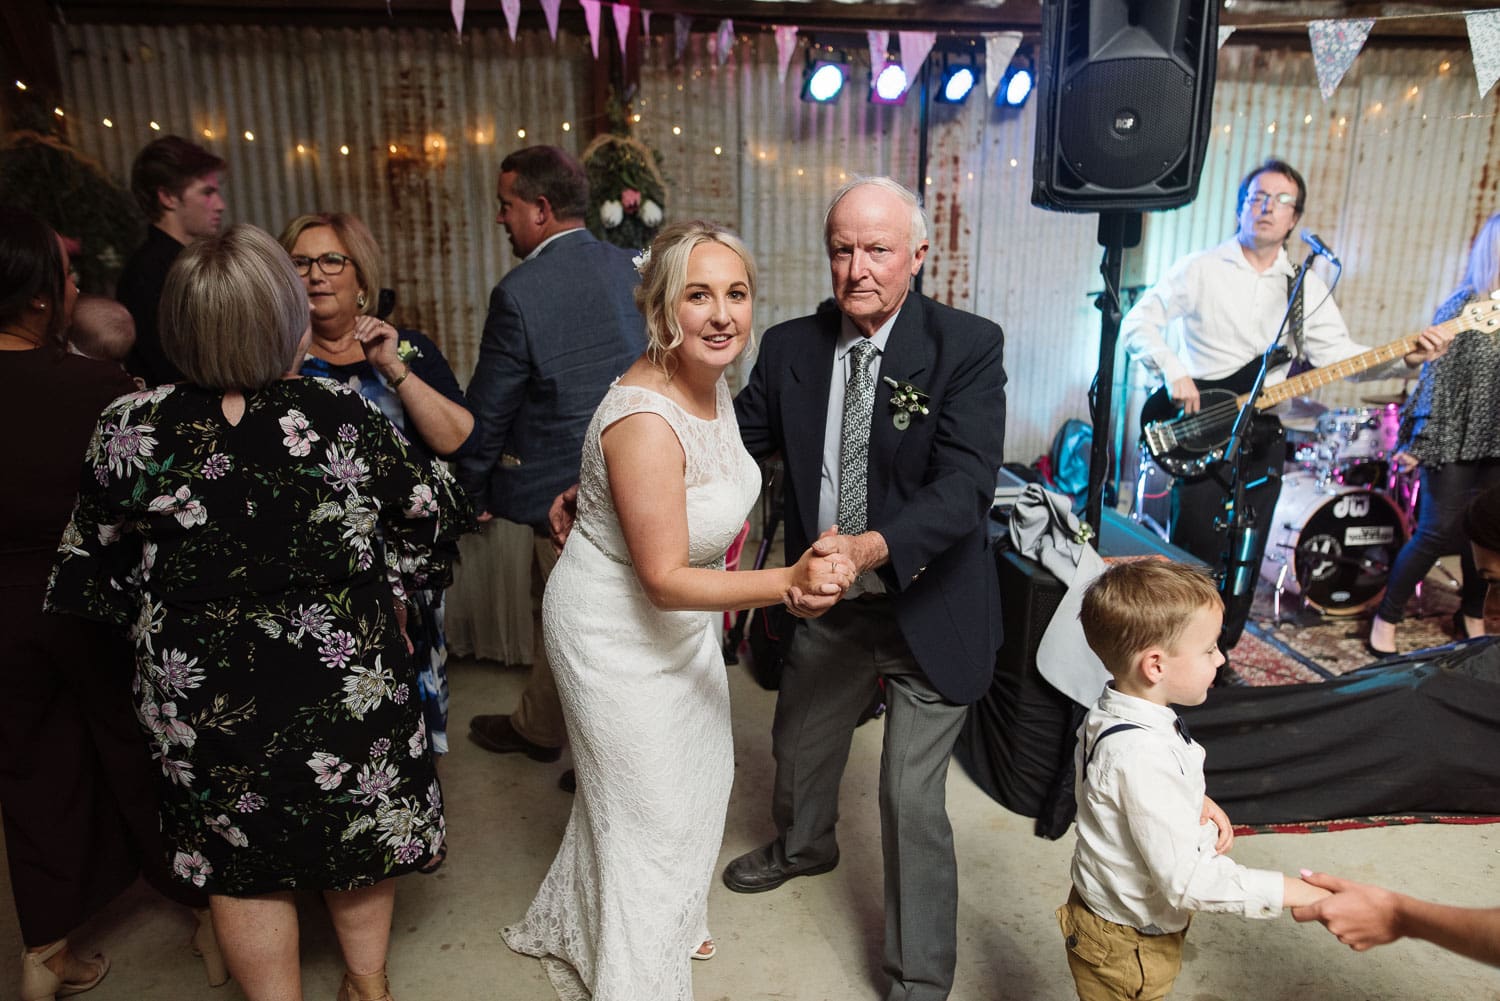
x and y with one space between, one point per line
914 48
786 44
591 18
1225 30
682 27
999 49
622 24
457 8
1335 44
880 43
725 41
512 10
645 22
1484 42
549 8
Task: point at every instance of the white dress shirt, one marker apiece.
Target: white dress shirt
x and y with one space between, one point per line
1142 858
1212 312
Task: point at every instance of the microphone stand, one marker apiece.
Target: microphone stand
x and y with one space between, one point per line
1242 548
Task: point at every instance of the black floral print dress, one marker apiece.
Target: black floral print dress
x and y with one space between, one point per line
256 566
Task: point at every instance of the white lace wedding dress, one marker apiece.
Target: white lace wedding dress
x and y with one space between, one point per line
646 700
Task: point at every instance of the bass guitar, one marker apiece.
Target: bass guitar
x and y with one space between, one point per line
1188 444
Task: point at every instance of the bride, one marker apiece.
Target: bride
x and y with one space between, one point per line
629 625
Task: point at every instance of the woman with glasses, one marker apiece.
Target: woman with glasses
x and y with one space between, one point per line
1450 427
402 372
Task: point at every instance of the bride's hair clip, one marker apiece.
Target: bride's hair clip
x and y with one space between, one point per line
641 260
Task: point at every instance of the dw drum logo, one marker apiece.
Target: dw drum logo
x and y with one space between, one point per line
1352 506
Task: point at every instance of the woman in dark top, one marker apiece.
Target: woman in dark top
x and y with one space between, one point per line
1451 428
256 533
402 372
75 788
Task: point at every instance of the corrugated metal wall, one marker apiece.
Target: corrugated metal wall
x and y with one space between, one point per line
1400 181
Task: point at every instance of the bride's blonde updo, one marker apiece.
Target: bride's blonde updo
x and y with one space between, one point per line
664 277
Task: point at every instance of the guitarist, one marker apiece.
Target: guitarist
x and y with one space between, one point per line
1223 306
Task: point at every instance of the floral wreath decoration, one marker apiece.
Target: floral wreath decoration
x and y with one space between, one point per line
626 190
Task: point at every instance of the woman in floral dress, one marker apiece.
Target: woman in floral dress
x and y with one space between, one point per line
255 534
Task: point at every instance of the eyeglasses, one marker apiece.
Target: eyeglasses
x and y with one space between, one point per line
1261 199
330 264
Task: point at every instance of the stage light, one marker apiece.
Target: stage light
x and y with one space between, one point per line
959 77
824 80
1017 84
889 86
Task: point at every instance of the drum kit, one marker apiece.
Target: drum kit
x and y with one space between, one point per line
1346 506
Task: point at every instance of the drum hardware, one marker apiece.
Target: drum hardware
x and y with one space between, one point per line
1331 545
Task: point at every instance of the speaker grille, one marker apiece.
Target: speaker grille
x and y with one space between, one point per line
1126 122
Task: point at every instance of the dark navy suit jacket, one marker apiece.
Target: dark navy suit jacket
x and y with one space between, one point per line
561 327
931 485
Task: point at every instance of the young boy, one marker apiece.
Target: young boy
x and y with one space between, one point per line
1150 843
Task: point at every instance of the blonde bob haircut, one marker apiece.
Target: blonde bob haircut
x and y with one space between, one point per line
363 251
233 311
1133 607
665 279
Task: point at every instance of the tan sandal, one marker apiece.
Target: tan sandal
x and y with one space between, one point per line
708 950
365 987
40 983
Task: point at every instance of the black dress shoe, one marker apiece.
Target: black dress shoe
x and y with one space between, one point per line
767 868
494 733
568 782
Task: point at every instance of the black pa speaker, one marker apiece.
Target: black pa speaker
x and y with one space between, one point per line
1124 89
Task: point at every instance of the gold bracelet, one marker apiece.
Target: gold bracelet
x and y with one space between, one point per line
402 377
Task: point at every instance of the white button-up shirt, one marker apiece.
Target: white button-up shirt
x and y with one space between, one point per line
1142 858
1212 312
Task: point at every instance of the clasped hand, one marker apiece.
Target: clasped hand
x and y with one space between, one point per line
819 579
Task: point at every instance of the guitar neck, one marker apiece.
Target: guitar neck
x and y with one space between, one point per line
1299 385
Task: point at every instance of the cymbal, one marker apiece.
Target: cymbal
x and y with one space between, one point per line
1389 400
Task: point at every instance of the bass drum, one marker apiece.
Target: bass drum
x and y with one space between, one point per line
1332 545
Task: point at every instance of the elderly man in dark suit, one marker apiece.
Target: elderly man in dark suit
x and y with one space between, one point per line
890 416
561 326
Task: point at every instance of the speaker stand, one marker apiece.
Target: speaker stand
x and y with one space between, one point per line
1117 231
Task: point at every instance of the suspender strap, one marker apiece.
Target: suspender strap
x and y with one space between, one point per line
1089 758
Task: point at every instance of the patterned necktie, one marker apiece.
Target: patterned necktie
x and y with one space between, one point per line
854 440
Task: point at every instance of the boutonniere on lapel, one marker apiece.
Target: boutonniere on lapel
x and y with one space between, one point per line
906 399
406 351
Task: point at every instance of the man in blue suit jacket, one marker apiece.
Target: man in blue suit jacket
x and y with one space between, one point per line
561 326
925 612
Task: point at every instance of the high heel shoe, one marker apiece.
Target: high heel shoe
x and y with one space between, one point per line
39 983
708 950
205 945
365 987
1376 652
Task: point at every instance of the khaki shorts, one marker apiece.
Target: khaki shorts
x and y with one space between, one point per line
1112 962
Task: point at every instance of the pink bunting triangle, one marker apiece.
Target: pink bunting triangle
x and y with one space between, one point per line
682 27
456 7
999 49
725 41
645 22
786 44
879 42
914 48
621 12
1335 44
549 8
591 18
1484 43
512 10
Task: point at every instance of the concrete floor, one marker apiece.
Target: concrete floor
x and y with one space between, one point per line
818 939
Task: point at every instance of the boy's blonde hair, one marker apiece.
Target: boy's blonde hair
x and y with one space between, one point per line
1132 607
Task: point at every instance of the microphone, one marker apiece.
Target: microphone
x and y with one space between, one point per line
1319 247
